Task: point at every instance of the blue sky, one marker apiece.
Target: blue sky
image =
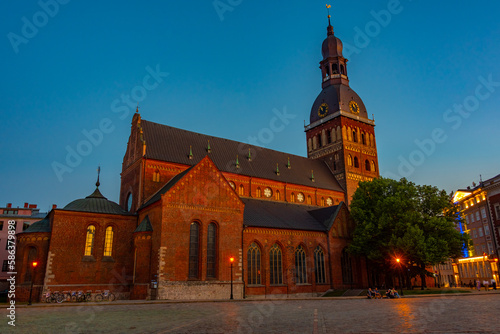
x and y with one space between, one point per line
230 63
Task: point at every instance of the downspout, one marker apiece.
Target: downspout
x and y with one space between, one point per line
329 259
242 263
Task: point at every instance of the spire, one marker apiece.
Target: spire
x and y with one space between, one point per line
208 147
190 152
249 155
312 176
330 27
288 164
137 109
237 162
277 170
97 184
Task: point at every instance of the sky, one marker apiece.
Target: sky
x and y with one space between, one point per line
74 71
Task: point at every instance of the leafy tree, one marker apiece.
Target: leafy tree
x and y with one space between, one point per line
398 219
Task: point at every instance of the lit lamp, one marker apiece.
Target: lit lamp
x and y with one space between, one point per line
398 260
34 264
231 260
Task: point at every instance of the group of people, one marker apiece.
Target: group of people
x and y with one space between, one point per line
486 284
375 294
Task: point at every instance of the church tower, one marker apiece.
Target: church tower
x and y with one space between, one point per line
340 132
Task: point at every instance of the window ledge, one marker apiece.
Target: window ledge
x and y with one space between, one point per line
303 284
278 285
256 285
88 259
108 259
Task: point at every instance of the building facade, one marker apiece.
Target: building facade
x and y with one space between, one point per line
21 219
189 202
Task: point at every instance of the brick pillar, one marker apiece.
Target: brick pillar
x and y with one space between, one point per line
142 265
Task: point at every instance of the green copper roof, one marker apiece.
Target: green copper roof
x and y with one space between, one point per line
96 203
144 226
39 226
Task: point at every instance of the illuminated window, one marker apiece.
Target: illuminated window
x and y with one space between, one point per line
156 176
322 201
292 198
211 250
241 191
275 265
194 250
300 266
253 264
319 265
278 196
349 160
309 200
89 241
373 166
259 192
108 241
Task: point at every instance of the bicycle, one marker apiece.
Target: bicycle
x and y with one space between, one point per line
107 296
53 297
84 297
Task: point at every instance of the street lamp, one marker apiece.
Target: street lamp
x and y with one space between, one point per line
231 260
34 264
398 260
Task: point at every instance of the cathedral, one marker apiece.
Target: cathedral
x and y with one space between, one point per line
202 217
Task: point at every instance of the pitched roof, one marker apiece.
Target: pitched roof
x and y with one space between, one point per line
144 226
39 226
269 214
166 143
157 196
96 203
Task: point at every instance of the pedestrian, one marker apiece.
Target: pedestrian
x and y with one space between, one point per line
486 285
494 284
478 285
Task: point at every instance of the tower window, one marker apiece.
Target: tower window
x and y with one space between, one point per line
335 68
342 69
367 165
320 143
328 137
363 139
373 166
327 70
349 160
354 136
356 162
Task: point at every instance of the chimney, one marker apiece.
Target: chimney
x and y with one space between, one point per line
25 205
468 187
54 206
32 206
9 205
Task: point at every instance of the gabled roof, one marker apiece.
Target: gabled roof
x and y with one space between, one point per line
39 226
280 215
170 144
144 226
157 196
96 203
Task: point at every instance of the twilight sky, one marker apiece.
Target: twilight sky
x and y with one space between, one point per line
429 71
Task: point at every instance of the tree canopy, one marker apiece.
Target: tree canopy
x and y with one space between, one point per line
398 219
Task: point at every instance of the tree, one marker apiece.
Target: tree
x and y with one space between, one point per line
404 220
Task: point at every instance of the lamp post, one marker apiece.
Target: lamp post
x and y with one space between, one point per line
398 260
231 260
33 271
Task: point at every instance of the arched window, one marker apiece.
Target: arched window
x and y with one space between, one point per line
322 201
211 250
259 192
275 265
309 144
194 250
108 241
373 166
292 198
320 142
354 136
278 196
349 134
367 165
156 176
241 191
309 200
32 256
342 69
300 266
89 241
315 142
253 264
349 160
333 135
319 265
327 70
346 267
356 162
335 68
328 136
363 139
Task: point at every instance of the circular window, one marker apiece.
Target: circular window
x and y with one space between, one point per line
268 192
300 197
129 202
329 201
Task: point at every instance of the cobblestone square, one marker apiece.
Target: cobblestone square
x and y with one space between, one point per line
440 314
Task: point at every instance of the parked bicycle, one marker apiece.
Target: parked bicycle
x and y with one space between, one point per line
84 297
106 296
53 297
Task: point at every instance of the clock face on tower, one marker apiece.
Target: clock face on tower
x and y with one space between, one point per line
353 106
323 110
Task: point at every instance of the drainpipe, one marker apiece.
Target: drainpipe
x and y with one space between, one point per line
242 263
329 259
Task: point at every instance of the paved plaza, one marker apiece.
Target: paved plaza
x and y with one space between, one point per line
439 314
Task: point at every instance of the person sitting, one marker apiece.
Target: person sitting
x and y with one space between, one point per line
389 293
370 294
395 293
377 294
